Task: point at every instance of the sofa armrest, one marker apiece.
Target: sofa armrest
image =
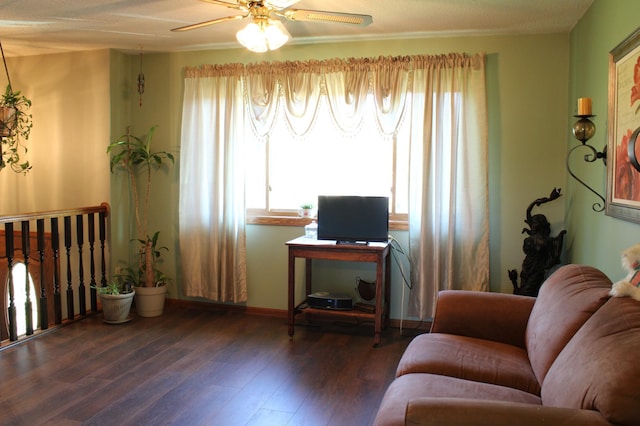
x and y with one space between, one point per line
460 411
497 317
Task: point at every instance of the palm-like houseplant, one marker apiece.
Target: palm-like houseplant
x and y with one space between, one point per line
134 155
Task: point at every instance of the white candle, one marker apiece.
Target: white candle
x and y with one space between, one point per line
584 106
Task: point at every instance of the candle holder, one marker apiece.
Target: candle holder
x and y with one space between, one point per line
583 130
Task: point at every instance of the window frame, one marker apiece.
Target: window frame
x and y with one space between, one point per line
291 217
397 222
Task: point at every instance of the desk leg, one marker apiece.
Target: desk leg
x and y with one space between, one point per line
292 291
380 303
307 276
387 289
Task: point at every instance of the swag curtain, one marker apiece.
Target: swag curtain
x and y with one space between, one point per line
410 87
298 87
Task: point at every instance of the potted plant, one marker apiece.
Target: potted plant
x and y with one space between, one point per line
116 299
15 127
149 298
306 210
134 155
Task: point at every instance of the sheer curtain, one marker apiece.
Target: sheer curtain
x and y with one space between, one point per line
212 211
448 213
443 96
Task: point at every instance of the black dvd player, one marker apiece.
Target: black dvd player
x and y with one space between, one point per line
324 300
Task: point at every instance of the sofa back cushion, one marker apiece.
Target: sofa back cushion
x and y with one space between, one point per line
565 301
599 369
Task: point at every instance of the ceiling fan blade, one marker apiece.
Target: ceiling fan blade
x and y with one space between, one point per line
241 4
323 16
280 4
211 22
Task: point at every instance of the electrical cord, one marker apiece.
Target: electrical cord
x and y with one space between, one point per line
396 249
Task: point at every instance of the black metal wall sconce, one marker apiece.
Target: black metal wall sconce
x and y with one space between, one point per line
140 79
583 130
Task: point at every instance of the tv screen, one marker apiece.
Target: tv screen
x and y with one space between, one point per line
353 219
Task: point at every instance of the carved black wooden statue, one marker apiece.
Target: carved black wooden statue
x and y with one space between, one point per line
542 251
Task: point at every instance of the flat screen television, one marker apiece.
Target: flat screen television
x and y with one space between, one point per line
353 219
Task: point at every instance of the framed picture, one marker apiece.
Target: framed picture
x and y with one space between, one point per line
623 154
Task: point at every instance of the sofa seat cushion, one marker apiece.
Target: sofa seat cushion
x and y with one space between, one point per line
419 385
566 300
599 369
464 412
471 359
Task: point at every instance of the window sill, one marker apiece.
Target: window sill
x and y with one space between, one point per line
394 225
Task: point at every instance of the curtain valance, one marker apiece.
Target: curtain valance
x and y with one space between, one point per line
283 68
226 70
345 82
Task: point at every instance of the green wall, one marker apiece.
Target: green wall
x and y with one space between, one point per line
527 86
595 238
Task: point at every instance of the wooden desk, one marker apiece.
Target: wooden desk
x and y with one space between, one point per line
377 253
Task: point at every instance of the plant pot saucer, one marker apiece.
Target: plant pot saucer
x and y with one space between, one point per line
119 322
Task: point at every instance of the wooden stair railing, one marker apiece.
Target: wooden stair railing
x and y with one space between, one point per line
45 267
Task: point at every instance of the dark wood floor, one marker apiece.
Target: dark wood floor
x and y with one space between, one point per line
192 367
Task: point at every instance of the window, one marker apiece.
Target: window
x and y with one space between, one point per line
285 170
439 171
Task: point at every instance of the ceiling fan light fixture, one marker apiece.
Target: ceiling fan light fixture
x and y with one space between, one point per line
262 35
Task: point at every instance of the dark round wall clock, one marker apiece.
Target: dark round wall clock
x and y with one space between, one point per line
632 150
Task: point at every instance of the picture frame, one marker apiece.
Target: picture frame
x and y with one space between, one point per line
623 167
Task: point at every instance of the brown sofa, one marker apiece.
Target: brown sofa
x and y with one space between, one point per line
571 356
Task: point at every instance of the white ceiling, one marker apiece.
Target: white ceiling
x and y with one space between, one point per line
30 27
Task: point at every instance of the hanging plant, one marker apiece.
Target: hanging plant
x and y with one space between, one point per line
15 127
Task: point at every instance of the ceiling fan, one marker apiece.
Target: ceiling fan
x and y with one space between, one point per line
265 31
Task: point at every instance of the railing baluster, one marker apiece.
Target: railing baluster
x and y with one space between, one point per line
67 244
92 263
103 265
55 248
11 309
82 301
26 252
44 312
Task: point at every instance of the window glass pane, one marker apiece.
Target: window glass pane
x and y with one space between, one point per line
402 171
256 176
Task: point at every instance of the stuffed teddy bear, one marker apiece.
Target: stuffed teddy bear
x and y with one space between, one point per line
630 285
